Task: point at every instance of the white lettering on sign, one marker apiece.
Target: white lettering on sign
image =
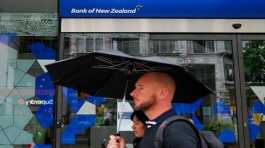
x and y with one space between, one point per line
39 102
104 11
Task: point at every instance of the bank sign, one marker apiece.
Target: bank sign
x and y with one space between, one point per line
163 9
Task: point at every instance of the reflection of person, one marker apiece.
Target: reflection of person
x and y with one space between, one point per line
153 94
138 126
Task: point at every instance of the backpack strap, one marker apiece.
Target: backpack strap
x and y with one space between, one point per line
160 131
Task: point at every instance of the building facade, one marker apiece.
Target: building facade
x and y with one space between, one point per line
225 54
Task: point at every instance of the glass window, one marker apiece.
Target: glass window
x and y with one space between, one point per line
215 112
199 46
127 45
228 72
99 43
254 68
166 47
209 45
67 43
81 45
27 42
228 46
89 44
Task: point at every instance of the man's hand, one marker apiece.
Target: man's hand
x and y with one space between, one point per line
116 142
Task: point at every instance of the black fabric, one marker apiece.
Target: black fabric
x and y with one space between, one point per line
136 142
114 75
140 116
211 140
180 135
177 135
207 139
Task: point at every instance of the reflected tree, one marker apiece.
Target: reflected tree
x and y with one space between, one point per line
254 61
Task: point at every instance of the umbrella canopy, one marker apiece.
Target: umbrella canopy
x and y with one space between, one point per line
113 76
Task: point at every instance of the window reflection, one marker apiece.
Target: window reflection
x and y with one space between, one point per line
26 93
254 68
209 60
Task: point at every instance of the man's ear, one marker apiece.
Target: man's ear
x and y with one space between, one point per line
163 93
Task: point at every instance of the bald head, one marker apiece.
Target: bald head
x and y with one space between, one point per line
153 93
164 81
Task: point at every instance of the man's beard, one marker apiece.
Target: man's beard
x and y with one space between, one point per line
145 105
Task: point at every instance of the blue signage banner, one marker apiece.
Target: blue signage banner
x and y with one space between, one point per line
197 9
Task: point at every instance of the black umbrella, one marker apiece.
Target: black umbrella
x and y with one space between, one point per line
109 75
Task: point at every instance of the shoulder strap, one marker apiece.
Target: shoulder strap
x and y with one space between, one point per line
164 124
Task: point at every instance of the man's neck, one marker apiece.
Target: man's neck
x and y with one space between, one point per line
154 112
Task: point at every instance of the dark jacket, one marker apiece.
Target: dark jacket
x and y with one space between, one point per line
136 142
177 135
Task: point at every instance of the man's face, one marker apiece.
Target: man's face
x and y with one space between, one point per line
144 94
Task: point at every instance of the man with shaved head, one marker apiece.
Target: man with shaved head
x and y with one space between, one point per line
153 93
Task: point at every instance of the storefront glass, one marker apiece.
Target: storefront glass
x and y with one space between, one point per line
254 68
28 41
211 61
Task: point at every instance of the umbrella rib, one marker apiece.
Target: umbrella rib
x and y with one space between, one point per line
111 68
105 60
112 65
147 68
136 65
109 61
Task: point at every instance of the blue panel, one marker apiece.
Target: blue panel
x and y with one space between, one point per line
96 100
257 107
42 146
81 122
221 108
8 38
227 136
77 125
254 130
187 108
70 95
44 87
76 105
163 8
40 51
67 137
182 108
44 116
